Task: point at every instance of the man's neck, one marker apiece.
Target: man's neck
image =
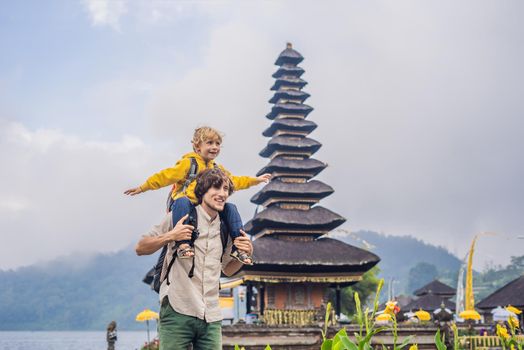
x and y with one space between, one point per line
211 212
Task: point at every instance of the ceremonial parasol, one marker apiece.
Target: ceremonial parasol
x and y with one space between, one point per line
146 316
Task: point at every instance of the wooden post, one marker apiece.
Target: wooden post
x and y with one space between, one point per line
249 295
337 300
262 296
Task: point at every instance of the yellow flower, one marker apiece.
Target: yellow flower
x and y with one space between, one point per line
514 322
502 332
513 309
391 307
384 317
413 347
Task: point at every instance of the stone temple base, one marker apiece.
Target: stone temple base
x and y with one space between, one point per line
256 337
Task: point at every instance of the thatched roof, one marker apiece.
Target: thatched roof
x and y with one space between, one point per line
290 125
292 144
289 95
322 254
289 70
429 302
285 81
316 218
510 294
300 166
435 287
289 56
289 108
276 188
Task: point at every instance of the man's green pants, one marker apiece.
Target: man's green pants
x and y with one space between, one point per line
177 331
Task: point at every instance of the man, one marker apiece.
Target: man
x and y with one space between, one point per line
190 311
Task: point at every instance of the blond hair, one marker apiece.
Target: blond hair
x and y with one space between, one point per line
204 134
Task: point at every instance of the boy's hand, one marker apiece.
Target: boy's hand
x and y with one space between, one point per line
244 243
264 178
133 191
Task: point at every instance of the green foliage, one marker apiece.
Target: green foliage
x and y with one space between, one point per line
365 289
400 253
69 295
439 341
420 275
493 277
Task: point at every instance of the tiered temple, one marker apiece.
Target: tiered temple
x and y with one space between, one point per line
294 265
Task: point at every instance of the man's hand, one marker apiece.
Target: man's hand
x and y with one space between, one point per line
264 178
133 191
244 243
180 232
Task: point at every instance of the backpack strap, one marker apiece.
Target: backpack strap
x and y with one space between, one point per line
192 220
191 174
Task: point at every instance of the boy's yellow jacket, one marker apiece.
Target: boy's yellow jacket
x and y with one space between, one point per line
179 172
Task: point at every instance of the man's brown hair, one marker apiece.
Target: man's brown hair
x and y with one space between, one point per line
211 178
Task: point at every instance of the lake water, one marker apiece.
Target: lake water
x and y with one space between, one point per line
22 340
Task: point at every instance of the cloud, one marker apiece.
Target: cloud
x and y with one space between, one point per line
106 12
419 119
64 194
418 106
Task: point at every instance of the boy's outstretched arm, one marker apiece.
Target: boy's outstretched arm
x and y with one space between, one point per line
133 191
163 178
264 178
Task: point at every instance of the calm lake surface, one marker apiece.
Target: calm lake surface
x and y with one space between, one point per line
22 340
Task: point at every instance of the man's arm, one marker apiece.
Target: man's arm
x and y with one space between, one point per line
149 244
242 243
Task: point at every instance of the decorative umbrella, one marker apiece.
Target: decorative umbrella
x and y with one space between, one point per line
146 316
423 315
470 315
500 314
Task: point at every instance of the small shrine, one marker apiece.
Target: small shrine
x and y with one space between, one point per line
294 265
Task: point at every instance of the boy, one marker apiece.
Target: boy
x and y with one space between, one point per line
206 146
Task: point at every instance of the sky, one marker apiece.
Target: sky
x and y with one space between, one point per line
419 107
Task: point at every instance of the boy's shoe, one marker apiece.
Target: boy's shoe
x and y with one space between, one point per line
243 257
185 253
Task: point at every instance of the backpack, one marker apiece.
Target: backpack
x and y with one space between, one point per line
153 277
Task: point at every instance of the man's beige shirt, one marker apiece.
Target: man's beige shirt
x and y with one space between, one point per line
196 296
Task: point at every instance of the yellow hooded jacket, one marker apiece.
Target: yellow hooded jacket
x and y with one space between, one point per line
178 174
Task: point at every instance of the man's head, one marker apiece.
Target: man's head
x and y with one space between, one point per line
206 142
212 189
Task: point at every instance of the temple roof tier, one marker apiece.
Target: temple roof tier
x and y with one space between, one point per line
289 56
288 82
306 168
293 95
289 109
429 302
287 277
290 127
276 188
435 287
292 144
288 70
322 254
510 294
316 218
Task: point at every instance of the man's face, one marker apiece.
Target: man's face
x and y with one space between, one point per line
215 198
